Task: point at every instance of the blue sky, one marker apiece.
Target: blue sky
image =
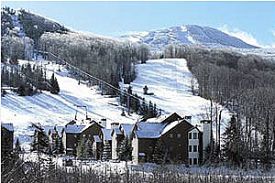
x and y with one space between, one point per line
252 21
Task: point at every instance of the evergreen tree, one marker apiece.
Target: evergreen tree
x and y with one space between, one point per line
125 150
89 148
84 149
155 111
54 85
61 146
21 90
232 148
159 152
144 108
57 89
40 141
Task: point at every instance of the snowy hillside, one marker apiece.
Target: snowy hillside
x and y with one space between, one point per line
50 109
189 34
170 81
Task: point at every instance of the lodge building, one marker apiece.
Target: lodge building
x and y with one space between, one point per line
180 141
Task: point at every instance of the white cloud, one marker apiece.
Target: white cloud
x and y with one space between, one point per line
246 37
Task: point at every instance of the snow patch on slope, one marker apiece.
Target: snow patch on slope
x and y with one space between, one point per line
170 81
49 109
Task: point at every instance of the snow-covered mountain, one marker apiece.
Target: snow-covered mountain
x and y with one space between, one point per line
186 34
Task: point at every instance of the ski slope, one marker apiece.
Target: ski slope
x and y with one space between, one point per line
170 81
49 109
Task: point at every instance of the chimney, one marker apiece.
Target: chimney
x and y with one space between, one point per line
114 125
103 122
206 137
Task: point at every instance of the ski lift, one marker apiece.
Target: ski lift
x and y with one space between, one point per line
81 106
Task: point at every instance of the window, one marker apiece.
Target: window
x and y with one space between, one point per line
190 161
171 135
190 148
195 161
179 135
190 135
195 135
195 148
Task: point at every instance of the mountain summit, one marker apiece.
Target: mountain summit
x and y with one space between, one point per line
187 34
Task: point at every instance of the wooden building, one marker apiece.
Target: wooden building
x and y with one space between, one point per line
181 141
73 133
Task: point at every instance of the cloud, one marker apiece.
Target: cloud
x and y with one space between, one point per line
246 37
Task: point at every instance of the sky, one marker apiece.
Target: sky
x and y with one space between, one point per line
254 22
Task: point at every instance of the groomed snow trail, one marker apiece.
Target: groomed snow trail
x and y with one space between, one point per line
170 81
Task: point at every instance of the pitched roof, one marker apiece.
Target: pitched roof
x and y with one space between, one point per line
117 131
107 134
74 128
8 126
149 129
169 126
155 130
173 117
127 129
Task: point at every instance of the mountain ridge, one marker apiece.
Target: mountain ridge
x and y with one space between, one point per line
186 35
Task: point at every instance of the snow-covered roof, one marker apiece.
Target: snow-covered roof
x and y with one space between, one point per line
97 139
107 134
74 128
117 131
8 126
170 126
78 128
149 129
155 130
127 129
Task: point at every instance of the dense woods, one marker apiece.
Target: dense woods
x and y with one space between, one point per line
245 84
104 58
27 80
14 45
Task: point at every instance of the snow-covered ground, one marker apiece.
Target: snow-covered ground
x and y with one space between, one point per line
50 109
148 169
170 81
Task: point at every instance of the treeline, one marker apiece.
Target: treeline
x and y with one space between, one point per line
35 25
107 59
245 84
137 104
13 45
27 80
